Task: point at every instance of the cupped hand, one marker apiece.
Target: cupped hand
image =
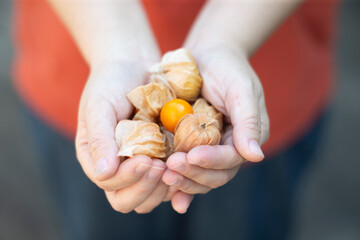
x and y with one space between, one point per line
232 87
134 184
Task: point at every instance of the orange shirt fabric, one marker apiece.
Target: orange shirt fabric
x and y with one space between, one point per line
295 64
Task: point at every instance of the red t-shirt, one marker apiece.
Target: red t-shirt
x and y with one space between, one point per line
295 64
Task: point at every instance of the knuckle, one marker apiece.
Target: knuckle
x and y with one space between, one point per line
208 164
192 173
185 186
205 163
252 122
96 144
142 191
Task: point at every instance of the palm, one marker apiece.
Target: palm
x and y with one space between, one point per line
111 86
215 67
102 105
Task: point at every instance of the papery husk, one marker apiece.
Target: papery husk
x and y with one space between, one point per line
149 99
139 138
140 115
202 106
169 141
194 130
178 70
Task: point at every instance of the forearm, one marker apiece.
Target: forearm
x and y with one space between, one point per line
108 29
240 23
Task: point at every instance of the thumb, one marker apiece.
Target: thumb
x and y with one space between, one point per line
101 123
246 120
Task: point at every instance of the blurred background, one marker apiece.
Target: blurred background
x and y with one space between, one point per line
327 205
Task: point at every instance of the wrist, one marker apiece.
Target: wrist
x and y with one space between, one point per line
203 48
129 74
128 55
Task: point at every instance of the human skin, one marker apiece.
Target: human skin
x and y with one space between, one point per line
223 38
119 54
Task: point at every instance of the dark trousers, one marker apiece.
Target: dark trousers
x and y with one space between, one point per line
256 204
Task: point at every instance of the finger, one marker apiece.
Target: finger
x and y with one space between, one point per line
129 171
184 184
207 177
246 119
154 199
170 193
215 157
82 150
265 122
127 199
100 122
181 201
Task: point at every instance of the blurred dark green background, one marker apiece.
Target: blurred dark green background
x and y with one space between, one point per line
328 204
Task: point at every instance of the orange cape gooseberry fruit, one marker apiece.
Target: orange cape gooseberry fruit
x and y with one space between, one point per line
173 111
194 130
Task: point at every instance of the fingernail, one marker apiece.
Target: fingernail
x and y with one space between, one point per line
155 172
255 148
101 166
141 168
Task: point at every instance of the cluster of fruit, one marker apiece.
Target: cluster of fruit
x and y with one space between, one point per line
164 121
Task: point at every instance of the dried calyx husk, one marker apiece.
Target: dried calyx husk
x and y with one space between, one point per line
149 99
139 138
178 70
202 106
169 141
194 130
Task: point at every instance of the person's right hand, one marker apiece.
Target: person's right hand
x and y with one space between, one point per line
134 183
116 41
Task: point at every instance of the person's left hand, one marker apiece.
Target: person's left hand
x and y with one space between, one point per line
232 87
